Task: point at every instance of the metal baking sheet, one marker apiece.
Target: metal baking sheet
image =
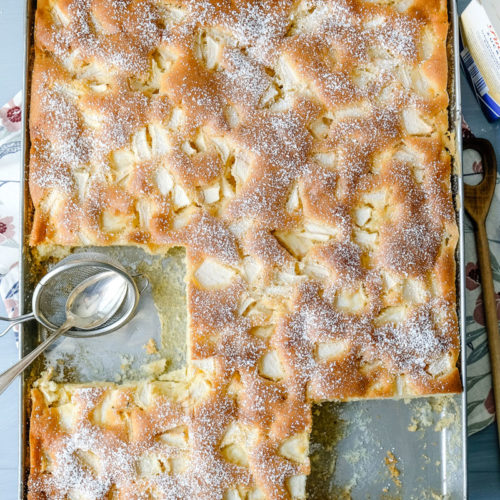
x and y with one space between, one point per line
365 449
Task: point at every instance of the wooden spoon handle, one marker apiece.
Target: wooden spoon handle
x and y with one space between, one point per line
478 198
490 310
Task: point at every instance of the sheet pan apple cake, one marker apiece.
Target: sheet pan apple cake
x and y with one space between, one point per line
299 151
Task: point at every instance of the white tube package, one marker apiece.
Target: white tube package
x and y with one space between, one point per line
480 53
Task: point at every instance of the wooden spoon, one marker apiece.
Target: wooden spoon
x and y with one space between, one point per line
477 204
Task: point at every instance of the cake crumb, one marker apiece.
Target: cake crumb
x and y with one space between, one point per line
391 461
413 427
437 496
151 347
126 362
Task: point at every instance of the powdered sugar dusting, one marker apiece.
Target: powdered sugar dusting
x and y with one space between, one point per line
415 343
285 145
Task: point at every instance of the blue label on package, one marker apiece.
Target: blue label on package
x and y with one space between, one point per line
490 107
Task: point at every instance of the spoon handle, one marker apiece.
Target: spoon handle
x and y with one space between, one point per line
15 321
9 375
490 310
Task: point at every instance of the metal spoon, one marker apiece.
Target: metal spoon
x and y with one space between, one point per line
93 302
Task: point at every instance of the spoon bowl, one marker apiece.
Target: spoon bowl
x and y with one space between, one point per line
49 298
96 300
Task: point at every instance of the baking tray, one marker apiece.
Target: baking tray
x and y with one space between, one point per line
365 449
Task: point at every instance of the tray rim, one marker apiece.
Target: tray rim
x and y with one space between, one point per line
23 455
455 126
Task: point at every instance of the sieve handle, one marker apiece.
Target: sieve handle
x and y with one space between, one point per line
15 321
9 375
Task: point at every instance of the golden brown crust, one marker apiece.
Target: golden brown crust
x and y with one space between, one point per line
297 150
169 439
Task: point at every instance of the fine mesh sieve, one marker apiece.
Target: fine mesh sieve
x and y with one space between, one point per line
51 293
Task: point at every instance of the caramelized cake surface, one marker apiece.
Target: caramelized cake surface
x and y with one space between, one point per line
298 151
